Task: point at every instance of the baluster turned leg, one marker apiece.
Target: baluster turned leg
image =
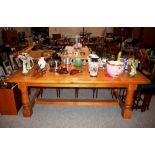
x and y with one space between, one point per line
27 107
127 107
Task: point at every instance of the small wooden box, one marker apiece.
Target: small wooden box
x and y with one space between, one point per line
10 99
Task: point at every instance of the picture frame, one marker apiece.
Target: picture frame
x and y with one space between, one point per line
2 74
13 62
7 67
5 63
1 80
3 56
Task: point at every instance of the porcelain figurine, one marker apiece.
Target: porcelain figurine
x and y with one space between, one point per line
42 63
133 71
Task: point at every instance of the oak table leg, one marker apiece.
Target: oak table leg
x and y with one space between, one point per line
27 108
127 108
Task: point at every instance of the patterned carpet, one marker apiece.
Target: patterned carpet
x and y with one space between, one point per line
55 116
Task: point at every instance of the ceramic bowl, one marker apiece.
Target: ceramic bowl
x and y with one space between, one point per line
115 68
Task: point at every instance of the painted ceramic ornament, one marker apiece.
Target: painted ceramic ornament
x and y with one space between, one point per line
42 63
133 71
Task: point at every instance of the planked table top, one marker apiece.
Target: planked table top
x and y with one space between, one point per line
80 78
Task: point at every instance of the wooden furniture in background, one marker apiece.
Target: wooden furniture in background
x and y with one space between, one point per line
125 32
56 36
71 53
10 37
143 93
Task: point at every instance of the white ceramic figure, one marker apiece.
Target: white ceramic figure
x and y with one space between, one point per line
42 63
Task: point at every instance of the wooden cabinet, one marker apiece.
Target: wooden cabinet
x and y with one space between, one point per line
125 32
10 37
146 35
10 100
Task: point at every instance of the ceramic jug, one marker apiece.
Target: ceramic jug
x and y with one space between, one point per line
27 62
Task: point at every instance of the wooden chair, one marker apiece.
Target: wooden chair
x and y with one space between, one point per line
144 65
95 92
143 94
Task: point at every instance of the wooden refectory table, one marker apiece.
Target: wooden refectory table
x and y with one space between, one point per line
79 80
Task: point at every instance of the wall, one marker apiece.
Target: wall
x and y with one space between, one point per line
96 31
64 30
27 30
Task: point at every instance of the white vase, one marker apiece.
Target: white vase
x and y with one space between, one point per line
42 63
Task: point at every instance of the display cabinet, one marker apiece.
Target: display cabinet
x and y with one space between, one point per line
10 37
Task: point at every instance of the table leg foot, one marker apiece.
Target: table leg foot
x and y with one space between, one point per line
126 113
27 112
